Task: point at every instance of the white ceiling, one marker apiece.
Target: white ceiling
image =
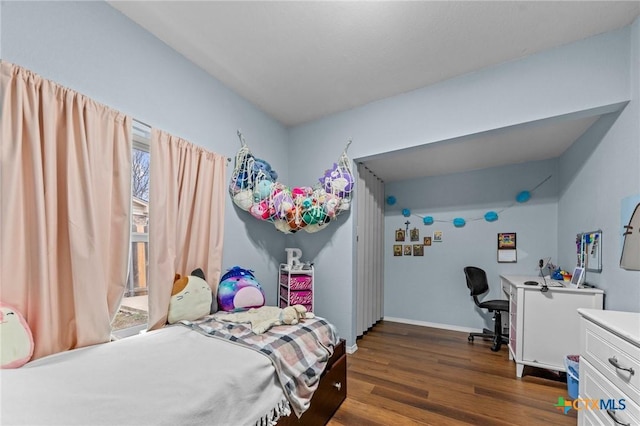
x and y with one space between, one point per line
302 60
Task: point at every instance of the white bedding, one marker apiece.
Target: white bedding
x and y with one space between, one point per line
172 376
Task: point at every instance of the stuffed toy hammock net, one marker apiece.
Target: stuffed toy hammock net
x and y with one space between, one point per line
254 188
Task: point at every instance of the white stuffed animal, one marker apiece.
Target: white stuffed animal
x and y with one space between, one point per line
289 315
295 314
265 317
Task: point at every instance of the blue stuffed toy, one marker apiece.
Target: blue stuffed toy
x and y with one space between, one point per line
262 168
239 291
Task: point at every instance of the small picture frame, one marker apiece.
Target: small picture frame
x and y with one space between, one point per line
507 240
415 234
437 236
407 250
400 235
507 248
397 249
577 279
427 241
418 250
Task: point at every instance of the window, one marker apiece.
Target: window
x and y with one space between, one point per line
133 313
138 268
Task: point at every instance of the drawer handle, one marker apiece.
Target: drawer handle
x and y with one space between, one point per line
612 414
614 361
337 385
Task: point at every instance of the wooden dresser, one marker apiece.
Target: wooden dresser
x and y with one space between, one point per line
329 395
609 368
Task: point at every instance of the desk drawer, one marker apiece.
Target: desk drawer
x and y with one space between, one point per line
604 349
595 387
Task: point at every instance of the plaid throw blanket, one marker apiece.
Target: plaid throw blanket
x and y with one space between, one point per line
299 352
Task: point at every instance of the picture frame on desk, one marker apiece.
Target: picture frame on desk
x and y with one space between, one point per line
577 279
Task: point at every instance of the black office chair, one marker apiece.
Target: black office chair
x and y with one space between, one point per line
478 284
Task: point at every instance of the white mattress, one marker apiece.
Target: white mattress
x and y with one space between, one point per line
172 376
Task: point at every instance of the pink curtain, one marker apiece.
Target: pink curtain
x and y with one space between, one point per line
186 217
64 210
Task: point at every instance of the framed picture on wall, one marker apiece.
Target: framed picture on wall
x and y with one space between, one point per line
427 241
415 234
437 237
507 248
507 240
400 235
397 249
418 250
407 250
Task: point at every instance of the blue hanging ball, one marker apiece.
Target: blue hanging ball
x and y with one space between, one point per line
406 212
391 200
523 197
458 222
427 220
491 216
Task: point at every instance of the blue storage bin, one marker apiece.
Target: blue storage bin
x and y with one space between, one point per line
572 365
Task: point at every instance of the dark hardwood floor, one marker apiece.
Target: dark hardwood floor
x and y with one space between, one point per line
411 375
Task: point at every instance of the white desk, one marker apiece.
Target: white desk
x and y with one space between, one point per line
544 327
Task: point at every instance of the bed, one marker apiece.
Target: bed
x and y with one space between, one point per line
205 372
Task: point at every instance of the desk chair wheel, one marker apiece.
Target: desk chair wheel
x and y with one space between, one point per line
470 339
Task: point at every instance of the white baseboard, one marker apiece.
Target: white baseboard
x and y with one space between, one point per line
433 325
354 347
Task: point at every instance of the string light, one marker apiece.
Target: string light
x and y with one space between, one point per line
490 216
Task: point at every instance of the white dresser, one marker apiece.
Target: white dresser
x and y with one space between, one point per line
609 368
544 326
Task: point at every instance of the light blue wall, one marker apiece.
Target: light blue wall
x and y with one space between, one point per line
576 77
599 171
93 49
432 288
584 195
571 80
